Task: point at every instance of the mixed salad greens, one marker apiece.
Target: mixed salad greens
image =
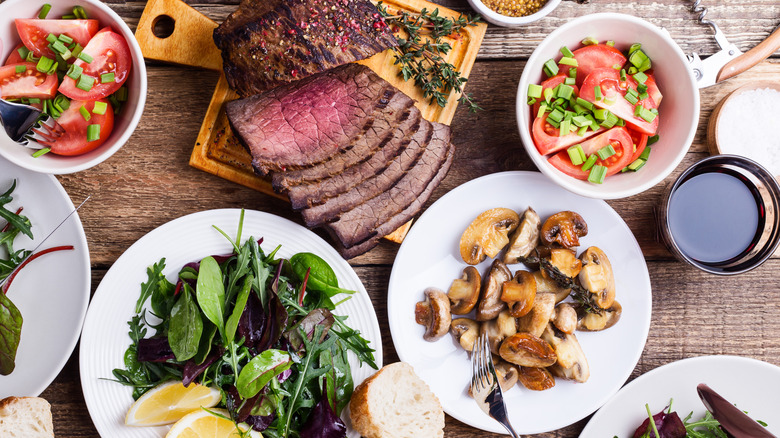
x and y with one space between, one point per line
667 424
257 327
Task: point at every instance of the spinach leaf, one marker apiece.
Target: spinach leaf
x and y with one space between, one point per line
206 342
260 370
10 333
186 327
321 277
211 292
238 310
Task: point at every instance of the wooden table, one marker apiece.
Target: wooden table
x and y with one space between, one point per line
148 183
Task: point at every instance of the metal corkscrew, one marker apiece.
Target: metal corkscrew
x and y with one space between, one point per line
720 37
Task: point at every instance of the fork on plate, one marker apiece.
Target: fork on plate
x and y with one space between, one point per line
484 384
22 123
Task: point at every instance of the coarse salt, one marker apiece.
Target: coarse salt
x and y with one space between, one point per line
748 127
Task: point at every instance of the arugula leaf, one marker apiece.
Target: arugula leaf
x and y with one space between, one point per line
18 222
10 333
154 276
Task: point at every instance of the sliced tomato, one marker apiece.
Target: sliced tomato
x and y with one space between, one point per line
30 83
617 137
613 91
652 89
592 57
548 140
640 143
74 141
14 57
33 32
110 54
552 83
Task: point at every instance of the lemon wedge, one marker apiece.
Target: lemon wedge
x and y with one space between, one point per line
168 402
202 424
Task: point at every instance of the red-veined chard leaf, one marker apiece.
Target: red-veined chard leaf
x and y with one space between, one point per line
186 327
10 333
211 292
260 370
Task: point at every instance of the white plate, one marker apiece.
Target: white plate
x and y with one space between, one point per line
51 292
752 385
429 256
186 239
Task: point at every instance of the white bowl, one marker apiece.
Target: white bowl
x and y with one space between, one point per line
494 17
679 109
124 123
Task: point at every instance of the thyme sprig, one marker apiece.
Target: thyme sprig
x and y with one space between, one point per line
421 54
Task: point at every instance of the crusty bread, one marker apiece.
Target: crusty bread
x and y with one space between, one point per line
25 417
395 403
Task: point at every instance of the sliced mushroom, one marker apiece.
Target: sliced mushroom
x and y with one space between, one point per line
507 374
546 285
434 314
572 363
564 228
519 293
487 235
565 318
536 379
464 291
593 322
490 304
536 320
525 238
597 277
465 331
527 350
498 329
564 262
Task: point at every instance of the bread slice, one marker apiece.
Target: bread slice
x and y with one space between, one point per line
395 403
25 417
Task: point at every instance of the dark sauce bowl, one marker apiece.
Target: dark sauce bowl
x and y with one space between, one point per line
765 192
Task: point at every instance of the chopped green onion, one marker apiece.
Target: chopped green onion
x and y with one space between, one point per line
559 101
576 155
597 92
647 115
553 123
637 164
84 57
564 91
34 100
585 103
59 47
610 120
533 90
581 121
23 51
651 140
637 109
638 59
632 70
641 88
115 103
85 82
40 152
620 122
640 77
93 133
582 131
65 39
589 41
600 114
566 52
634 48
609 101
31 57
611 43
644 95
645 153
556 115
606 152
44 12
20 69
548 94
51 38
564 128
80 13
99 108
76 51
631 96
61 103
69 17
646 65
85 113
589 163
568 61
570 81
542 110
530 101
550 68
573 72
597 174
45 65
121 94
579 109
74 72
622 75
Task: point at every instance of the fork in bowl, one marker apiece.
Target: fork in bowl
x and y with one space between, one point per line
21 122
484 384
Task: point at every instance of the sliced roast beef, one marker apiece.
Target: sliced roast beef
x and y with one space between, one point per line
378 132
386 174
309 121
401 218
268 43
360 223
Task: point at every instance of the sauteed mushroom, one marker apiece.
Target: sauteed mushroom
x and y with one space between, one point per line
565 261
519 293
597 277
507 374
564 228
536 320
572 363
527 350
546 285
498 329
525 238
465 331
490 304
464 291
564 318
536 379
487 234
593 322
434 314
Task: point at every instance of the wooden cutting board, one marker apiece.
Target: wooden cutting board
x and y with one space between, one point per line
216 150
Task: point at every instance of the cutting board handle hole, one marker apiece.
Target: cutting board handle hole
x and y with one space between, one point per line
163 26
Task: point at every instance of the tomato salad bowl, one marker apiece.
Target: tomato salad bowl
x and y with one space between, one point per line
670 81
90 104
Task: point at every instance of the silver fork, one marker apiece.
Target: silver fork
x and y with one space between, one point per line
21 122
484 384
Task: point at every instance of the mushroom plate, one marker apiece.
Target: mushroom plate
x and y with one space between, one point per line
430 257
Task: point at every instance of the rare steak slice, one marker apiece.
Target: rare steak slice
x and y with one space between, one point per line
387 172
391 148
360 223
268 43
399 111
401 218
307 122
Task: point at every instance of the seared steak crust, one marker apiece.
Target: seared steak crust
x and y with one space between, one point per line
267 43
